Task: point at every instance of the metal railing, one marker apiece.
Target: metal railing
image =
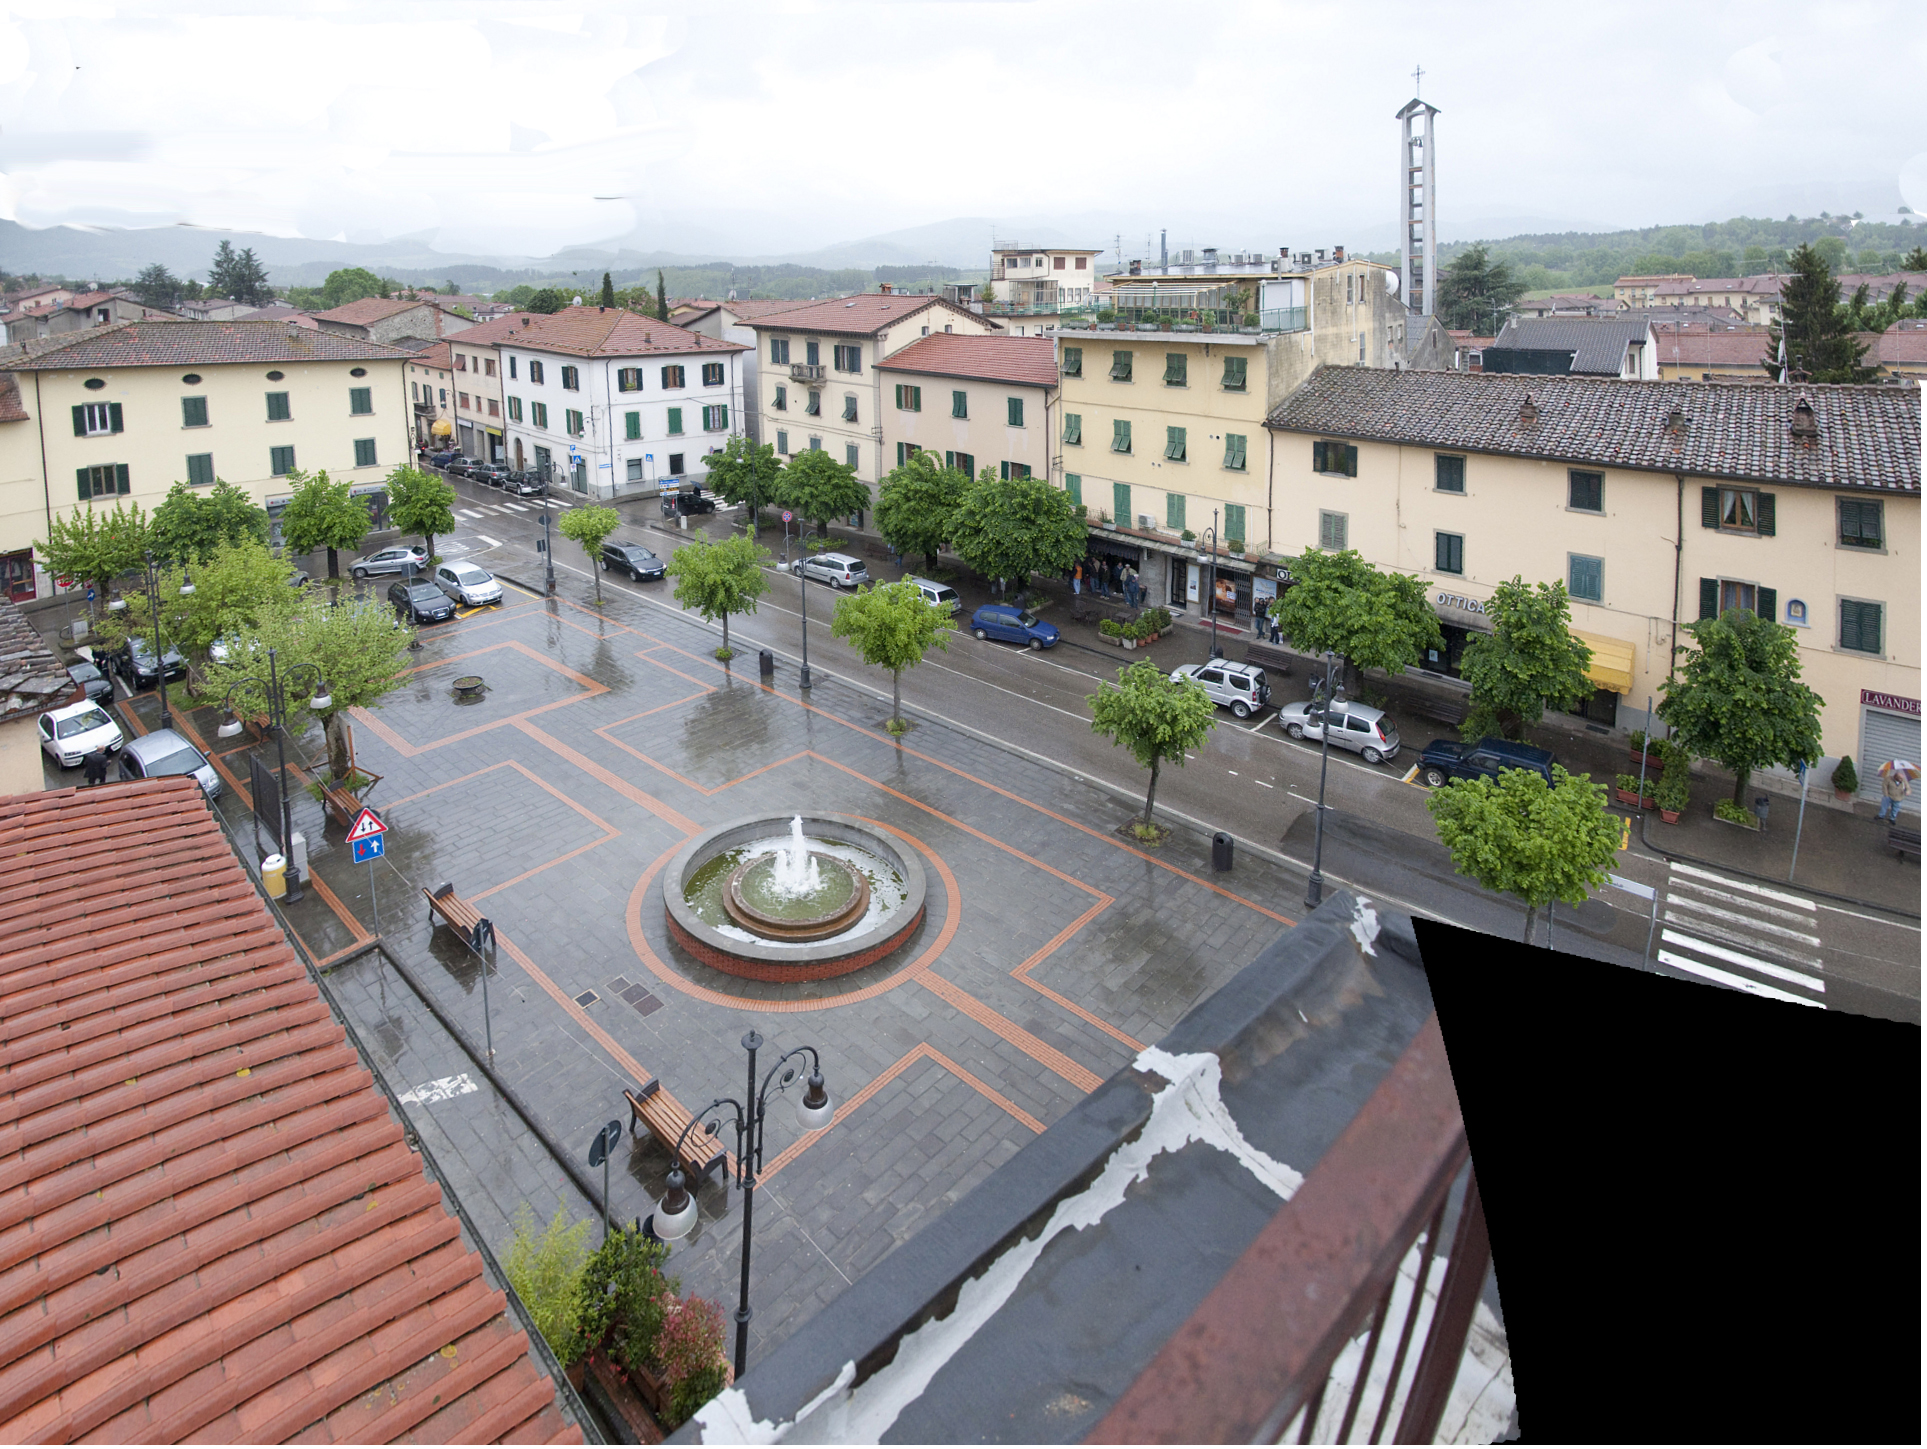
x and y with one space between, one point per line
1260 1357
1153 319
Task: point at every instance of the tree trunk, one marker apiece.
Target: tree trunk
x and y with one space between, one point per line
340 751
930 562
429 539
1151 795
1740 781
725 628
896 696
1532 912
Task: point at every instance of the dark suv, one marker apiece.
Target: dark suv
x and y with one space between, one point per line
633 559
1445 760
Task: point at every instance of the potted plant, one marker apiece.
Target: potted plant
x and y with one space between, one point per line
1643 748
1187 535
1235 546
1846 780
1672 797
1626 792
621 1299
689 1347
1105 520
1112 632
1733 814
1251 322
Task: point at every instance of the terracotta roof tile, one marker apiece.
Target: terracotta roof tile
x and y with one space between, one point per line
12 408
1869 436
369 309
599 332
1028 361
31 678
1695 345
863 316
174 342
210 1225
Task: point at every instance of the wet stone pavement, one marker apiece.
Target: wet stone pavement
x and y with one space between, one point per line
1051 949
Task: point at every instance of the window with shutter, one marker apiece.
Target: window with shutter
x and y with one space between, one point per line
278 411
539 415
1585 491
1331 531
1763 514
849 407
1176 369
814 407
1174 444
512 366
96 482
1234 522
781 402
1448 474
1120 367
1073 362
1074 486
1586 577
1448 553
967 464
959 404
783 443
200 469
1860 626
712 374
361 401
632 426
850 456
515 410
1234 452
193 412
813 354
1317 457
1121 502
672 376
1174 511
1014 412
675 422
280 461
1862 524
571 379
1120 435
1074 429
365 453
1709 597
629 379
779 351
1768 606
535 370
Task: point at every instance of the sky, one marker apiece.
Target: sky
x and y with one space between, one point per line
753 128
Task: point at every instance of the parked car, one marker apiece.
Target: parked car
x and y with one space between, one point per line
299 579
1011 625
136 664
838 570
1241 687
1349 726
462 467
941 596
493 474
421 601
444 458
466 583
1445 760
637 560
686 501
75 731
164 752
525 485
403 558
91 683
224 649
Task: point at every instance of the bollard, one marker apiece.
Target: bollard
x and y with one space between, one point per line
1221 851
766 663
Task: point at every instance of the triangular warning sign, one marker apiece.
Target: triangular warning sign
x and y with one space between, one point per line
366 824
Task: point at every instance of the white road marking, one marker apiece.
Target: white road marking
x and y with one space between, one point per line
1733 900
1267 785
491 542
518 507
1877 920
1740 885
1737 958
1741 938
1747 921
1296 796
1253 729
440 1090
1727 978
466 513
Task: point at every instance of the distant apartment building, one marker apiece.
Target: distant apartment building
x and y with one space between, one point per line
431 396
733 321
477 404
978 402
1643 291
49 316
1032 286
214 309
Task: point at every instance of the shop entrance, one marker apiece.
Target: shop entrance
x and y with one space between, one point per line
1446 660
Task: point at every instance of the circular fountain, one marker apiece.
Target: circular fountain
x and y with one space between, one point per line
821 896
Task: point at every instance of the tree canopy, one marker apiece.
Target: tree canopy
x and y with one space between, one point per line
190 521
917 504
1819 341
819 488
1737 697
1153 716
720 579
95 546
233 584
239 276
892 627
588 526
747 473
1340 602
158 287
1529 660
1476 291
1515 834
421 503
1011 528
608 291
321 514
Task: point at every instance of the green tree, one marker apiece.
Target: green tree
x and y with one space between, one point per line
93 546
1819 340
320 514
1915 260
720 579
1011 528
1476 291
233 583
1518 835
1341 603
546 300
917 504
158 287
545 1267
190 521
1153 716
608 291
1529 660
239 276
747 473
662 298
350 284
892 627
358 648
421 503
588 527
1737 697
819 488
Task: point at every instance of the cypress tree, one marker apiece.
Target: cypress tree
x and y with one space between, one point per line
662 298
608 291
1819 342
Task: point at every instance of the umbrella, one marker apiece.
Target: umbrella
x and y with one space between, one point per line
1905 769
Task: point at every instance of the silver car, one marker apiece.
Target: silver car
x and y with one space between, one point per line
165 753
940 596
1358 727
1242 687
838 570
403 558
72 733
467 584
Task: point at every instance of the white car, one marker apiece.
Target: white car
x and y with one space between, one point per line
1241 686
838 570
228 647
467 584
75 731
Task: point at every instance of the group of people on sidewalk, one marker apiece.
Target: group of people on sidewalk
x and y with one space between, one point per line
1107 578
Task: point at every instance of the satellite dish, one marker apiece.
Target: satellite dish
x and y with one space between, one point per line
577 302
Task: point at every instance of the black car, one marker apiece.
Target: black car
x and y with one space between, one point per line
420 601
96 685
639 563
1445 760
136 664
527 485
686 502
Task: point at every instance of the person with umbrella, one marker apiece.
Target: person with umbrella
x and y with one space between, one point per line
1896 784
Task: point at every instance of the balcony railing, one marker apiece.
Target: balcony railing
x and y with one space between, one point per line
806 372
1047 309
1150 319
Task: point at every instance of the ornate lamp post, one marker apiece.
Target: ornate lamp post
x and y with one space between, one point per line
676 1214
1211 585
151 575
275 688
1315 886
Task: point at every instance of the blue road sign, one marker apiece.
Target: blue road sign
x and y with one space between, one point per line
368 849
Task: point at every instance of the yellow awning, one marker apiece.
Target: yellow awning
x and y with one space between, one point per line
1612 661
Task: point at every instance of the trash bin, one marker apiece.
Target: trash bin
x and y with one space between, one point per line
274 875
1221 851
766 663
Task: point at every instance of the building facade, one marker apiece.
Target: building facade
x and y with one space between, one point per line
122 413
431 396
978 402
478 405
52 315
388 319
733 321
1617 346
1656 503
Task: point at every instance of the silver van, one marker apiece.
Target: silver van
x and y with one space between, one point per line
941 596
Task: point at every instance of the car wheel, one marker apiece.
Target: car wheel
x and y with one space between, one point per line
1037 643
361 575
1241 709
1373 757
979 633
605 566
1296 731
1435 778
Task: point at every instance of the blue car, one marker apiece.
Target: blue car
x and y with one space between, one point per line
1012 626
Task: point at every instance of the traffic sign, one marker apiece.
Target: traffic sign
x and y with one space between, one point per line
367 824
367 849
788 517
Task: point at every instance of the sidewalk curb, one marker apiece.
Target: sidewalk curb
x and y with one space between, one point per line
1671 855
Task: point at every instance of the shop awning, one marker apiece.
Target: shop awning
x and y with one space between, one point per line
1612 661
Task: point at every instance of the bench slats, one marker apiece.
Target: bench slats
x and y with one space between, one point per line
666 1118
461 916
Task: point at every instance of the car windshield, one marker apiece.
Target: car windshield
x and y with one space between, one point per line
1027 619
183 761
84 671
423 591
80 724
471 576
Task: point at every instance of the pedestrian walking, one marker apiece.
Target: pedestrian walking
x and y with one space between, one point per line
1258 625
1117 576
96 764
1896 784
1130 585
1077 578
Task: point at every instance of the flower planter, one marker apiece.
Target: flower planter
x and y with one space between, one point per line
1632 797
1752 822
626 1395
1653 763
1671 817
1843 795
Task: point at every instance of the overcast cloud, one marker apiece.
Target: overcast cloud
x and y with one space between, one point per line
499 127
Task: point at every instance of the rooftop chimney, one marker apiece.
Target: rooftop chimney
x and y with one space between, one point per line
1164 253
1805 425
1676 421
1528 412
1338 254
884 288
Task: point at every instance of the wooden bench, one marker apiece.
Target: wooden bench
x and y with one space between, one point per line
1432 706
1273 658
341 806
463 918
665 1118
1903 842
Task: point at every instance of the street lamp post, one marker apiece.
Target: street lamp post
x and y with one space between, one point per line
1211 584
275 688
152 577
548 553
803 607
1315 886
676 1214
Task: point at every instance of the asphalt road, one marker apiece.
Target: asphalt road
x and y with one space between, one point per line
1261 787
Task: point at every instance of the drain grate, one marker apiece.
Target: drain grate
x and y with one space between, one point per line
640 997
587 998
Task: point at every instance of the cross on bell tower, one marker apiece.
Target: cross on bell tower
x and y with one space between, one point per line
1418 234
1418 74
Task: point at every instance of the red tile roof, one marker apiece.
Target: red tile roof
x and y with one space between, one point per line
437 356
1688 345
12 409
863 316
1905 341
369 310
496 329
210 1225
1027 361
176 342
599 332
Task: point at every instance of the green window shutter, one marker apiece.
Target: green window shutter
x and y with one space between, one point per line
1709 509
1003 471
1764 516
1585 577
1849 624
1121 504
1120 435
1120 367
1073 362
193 412
1174 510
1709 597
722 417
80 421
86 484
783 443
1073 428
916 399
1074 486
851 455
1176 369
1234 521
361 400
1234 374
113 418
1350 456
1174 444
200 469
967 465
365 453
632 426
1234 452
1014 408
120 477
959 405
1317 457
1870 628
675 422
899 455
1769 605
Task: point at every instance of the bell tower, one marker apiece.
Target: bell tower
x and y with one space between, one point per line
1418 245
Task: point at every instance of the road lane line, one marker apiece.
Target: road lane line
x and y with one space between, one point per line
1727 978
1739 958
491 542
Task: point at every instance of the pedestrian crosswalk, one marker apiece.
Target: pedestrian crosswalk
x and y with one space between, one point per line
1737 934
482 510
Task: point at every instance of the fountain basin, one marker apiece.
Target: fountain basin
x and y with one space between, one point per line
721 911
